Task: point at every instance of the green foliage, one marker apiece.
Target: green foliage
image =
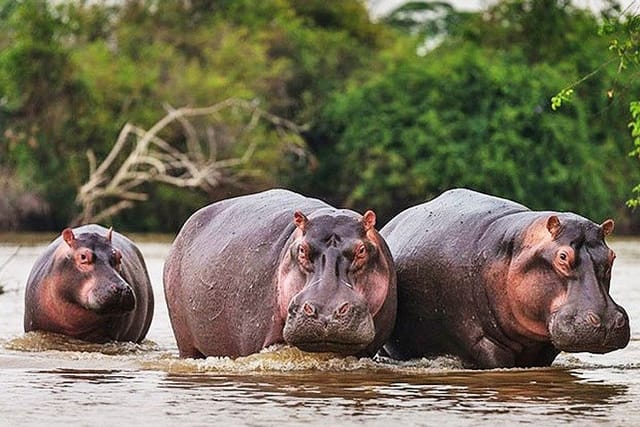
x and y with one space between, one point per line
39 99
72 73
623 32
634 125
563 96
474 113
389 128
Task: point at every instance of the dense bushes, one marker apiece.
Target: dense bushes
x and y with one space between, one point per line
388 127
475 113
73 73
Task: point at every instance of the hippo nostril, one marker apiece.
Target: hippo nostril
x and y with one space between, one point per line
325 321
308 309
594 319
127 299
343 309
620 321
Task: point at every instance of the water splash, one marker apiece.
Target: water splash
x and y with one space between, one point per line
39 341
283 359
584 361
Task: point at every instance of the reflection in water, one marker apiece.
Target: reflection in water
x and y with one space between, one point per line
551 392
72 376
464 389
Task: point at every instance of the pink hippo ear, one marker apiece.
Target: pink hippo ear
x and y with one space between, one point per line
300 220
553 225
368 220
607 227
109 233
68 237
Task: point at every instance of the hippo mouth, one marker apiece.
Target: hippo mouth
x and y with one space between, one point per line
575 336
317 337
346 348
597 345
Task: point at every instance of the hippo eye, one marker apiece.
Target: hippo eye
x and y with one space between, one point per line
362 251
117 257
565 259
85 257
302 251
303 257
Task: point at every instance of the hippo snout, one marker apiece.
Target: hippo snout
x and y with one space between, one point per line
345 327
309 309
112 298
588 330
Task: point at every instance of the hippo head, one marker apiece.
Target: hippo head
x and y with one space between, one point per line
90 274
333 279
560 286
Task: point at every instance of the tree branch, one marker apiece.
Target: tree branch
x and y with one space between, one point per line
141 156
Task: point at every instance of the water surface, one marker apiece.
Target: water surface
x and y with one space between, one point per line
51 380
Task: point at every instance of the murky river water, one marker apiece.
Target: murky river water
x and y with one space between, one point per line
48 380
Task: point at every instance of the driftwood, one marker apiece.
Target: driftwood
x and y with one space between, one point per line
141 156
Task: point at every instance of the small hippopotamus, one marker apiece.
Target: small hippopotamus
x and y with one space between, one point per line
92 284
277 267
499 285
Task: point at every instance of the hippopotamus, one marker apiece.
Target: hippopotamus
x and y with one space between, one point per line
499 285
90 283
277 267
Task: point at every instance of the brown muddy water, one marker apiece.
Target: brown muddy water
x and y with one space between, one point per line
50 380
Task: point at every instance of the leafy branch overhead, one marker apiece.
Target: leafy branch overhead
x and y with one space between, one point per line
141 156
624 42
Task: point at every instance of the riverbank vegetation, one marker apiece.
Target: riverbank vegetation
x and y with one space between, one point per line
391 112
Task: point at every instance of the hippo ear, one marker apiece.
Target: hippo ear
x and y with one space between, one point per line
68 237
300 220
553 225
368 220
109 233
607 227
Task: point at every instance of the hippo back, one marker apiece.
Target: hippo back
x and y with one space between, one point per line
497 284
429 248
248 233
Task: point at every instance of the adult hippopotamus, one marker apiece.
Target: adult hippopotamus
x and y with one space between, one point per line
499 285
92 284
274 267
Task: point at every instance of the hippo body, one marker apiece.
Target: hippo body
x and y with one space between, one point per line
499 285
92 284
277 267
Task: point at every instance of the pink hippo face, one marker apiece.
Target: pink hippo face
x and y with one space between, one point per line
558 286
90 283
89 274
333 281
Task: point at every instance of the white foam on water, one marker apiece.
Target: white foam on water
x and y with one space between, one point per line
38 341
283 359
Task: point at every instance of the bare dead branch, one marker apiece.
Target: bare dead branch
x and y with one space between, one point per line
141 156
112 210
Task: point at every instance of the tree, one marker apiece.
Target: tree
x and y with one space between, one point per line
39 101
623 32
73 73
140 157
473 112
